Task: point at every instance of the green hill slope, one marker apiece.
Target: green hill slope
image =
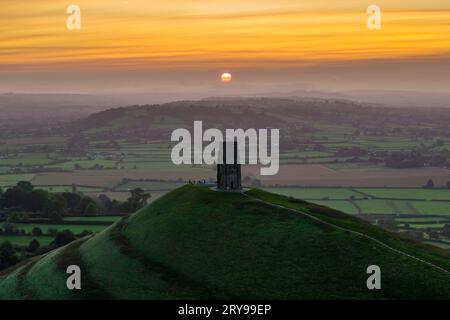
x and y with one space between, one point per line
197 243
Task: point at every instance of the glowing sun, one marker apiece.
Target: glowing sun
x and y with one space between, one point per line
226 77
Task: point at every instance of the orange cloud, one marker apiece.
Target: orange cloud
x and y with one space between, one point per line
208 33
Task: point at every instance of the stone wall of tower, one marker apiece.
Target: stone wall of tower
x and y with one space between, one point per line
229 175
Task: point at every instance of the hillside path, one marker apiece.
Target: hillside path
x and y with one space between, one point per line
354 232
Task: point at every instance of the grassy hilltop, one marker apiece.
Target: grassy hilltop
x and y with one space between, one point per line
197 243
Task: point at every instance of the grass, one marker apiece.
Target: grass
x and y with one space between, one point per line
22 285
71 255
338 218
195 243
46 281
101 253
8 284
201 213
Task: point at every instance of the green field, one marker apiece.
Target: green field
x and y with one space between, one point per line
427 225
305 154
25 240
354 166
26 160
12 179
148 165
85 164
317 193
76 229
342 205
27 227
375 200
97 218
433 207
418 220
415 194
439 244
58 189
149 185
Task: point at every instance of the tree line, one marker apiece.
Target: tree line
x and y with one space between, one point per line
24 199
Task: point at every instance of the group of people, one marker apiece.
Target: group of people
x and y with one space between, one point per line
197 181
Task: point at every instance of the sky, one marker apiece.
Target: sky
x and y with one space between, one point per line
184 45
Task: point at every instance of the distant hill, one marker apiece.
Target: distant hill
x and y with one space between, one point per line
201 244
386 98
297 117
107 114
31 107
26 107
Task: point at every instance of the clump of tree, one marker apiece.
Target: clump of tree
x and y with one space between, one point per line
416 159
36 231
388 223
446 231
8 256
24 198
249 181
402 160
33 246
80 204
429 184
62 238
77 145
136 201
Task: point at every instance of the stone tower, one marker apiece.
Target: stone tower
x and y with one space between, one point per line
229 173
